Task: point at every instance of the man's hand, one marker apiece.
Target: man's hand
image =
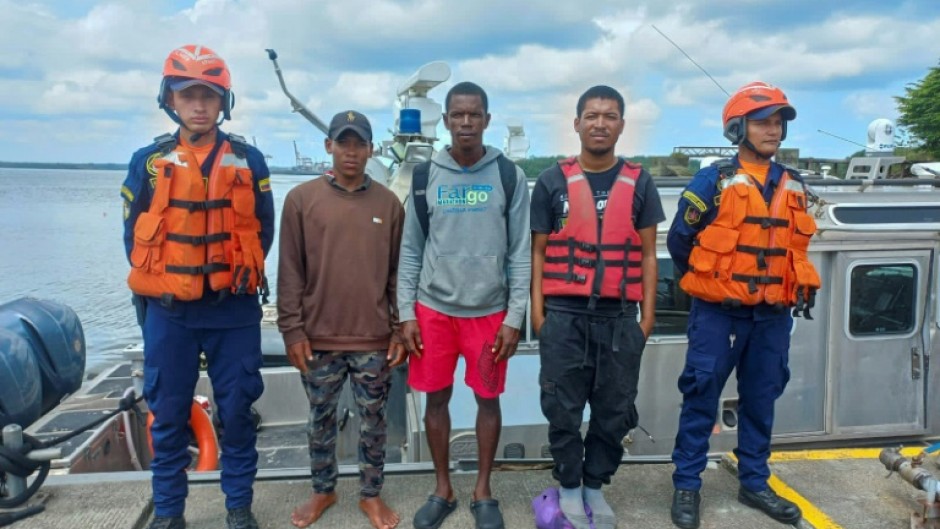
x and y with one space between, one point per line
299 354
646 325
507 339
411 338
396 351
537 321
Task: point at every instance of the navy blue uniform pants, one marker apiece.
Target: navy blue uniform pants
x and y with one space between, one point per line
721 340
589 360
171 369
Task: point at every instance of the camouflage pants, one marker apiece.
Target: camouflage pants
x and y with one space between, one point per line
370 377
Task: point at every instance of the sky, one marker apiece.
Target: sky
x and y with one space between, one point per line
79 78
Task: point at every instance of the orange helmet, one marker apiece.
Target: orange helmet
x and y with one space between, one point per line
756 100
191 65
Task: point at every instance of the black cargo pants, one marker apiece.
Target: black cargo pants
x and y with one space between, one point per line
595 360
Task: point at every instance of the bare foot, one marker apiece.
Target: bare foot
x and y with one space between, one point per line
380 515
308 513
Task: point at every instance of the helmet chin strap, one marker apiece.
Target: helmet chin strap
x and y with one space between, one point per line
750 146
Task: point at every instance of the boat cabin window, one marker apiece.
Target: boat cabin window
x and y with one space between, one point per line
882 299
672 304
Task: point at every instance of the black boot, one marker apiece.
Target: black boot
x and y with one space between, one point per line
685 504
774 506
164 522
241 518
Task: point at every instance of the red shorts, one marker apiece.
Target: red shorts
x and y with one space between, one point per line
447 337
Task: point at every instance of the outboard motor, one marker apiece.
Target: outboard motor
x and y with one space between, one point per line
42 358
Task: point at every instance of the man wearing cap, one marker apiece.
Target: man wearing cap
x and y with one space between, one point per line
189 199
740 239
336 283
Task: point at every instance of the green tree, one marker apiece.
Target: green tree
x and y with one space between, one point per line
534 166
920 111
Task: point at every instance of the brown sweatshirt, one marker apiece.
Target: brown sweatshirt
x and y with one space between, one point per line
337 268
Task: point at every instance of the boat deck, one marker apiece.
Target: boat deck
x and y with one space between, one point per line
835 488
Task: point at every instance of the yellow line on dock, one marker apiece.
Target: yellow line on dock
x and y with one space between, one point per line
847 453
811 514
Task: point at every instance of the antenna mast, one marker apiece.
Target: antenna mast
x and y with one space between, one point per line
687 56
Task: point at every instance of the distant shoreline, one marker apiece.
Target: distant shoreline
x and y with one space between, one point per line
51 165
104 167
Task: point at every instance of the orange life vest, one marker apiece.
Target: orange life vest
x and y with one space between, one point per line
197 228
752 253
576 262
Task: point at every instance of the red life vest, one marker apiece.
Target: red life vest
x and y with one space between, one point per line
196 228
752 253
576 262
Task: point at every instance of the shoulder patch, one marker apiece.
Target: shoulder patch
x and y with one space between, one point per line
692 216
127 193
149 165
695 200
265 184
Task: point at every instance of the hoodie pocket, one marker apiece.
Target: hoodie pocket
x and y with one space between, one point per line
468 281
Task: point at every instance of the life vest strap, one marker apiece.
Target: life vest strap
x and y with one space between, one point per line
567 277
593 248
572 243
587 262
208 268
200 205
762 253
767 222
198 240
753 281
805 300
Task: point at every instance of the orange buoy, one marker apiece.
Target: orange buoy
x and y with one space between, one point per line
206 440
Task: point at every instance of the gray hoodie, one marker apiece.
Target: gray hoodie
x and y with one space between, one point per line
471 264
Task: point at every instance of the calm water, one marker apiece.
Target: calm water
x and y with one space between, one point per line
61 239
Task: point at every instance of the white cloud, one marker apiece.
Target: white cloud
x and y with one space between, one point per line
105 64
871 105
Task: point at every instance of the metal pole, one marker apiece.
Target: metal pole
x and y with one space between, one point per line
13 439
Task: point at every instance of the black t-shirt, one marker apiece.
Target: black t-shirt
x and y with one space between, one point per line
549 213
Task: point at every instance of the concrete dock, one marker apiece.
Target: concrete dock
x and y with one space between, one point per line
835 488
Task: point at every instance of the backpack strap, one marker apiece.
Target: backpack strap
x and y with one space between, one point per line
419 187
507 176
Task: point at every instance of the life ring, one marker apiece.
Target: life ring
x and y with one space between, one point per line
204 432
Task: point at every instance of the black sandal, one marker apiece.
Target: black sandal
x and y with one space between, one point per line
432 514
487 514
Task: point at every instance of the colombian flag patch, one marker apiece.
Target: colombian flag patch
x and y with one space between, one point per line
264 184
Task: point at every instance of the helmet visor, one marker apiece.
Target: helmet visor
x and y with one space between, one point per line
787 112
183 84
